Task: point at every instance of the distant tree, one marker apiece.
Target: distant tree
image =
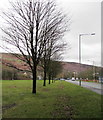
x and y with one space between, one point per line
8 74
30 25
87 74
56 68
68 74
53 52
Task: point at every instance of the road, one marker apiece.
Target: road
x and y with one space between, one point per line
96 87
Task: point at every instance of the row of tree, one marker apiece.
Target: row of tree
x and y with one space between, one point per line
89 74
35 28
51 70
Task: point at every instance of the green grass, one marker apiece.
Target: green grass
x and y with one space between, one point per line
0 99
57 100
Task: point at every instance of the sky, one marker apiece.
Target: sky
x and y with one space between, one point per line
86 19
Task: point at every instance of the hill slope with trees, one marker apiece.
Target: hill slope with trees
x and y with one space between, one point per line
68 69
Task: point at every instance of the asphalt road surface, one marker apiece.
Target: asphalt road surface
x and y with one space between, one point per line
96 87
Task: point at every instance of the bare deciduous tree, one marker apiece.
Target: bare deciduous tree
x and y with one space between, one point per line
54 50
30 26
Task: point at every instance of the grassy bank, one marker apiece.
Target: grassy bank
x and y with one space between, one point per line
57 100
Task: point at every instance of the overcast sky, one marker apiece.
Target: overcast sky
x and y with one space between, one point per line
86 18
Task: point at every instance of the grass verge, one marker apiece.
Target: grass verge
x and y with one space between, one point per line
57 100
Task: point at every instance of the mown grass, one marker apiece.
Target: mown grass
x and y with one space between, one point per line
57 100
0 99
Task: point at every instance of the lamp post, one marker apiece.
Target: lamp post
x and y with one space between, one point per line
80 35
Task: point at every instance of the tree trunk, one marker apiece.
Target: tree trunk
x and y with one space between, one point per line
34 80
49 77
52 79
44 84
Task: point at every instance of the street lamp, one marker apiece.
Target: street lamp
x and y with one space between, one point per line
80 35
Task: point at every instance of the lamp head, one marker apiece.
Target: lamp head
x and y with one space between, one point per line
93 34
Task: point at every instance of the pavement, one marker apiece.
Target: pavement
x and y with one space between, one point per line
96 87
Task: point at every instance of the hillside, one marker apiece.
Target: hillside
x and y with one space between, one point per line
9 60
69 69
67 66
72 66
